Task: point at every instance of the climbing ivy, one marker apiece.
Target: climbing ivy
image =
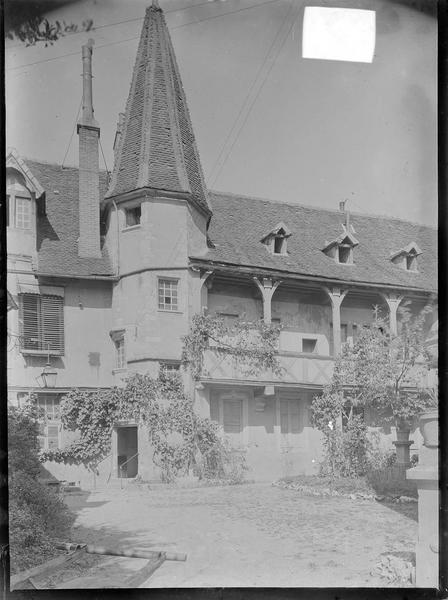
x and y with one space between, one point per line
252 346
181 439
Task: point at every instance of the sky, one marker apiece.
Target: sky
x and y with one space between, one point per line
268 122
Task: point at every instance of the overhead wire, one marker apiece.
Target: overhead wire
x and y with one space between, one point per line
71 136
222 149
197 21
256 97
166 12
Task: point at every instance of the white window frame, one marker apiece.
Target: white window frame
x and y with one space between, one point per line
162 289
118 337
23 213
46 422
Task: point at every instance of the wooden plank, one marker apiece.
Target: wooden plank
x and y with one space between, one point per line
138 578
22 577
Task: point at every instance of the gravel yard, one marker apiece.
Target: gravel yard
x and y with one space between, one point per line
246 535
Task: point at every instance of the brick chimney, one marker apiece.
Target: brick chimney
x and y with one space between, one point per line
89 188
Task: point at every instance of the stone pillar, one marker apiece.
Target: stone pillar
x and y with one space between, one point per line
393 302
426 476
267 287
336 296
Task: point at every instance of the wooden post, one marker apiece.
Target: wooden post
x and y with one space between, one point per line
336 296
267 288
393 302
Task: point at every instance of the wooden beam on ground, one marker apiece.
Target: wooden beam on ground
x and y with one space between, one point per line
145 573
21 578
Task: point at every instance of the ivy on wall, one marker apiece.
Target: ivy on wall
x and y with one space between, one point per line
252 346
181 440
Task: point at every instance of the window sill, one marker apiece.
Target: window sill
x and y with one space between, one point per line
174 312
131 228
117 371
41 352
306 355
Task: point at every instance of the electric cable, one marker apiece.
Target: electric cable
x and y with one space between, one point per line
71 136
248 95
197 21
256 97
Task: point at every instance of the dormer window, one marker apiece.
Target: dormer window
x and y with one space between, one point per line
406 258
341 249
345 254
19 204
277 239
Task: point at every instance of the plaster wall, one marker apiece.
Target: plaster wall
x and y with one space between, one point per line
235 300
151 333
88 358
160 240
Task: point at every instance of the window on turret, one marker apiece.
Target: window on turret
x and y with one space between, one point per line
168 299
133 216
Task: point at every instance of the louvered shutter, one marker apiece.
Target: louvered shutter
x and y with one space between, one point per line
232 416
52 323
284 420
294 411
214 409
29 318
42 322
53 436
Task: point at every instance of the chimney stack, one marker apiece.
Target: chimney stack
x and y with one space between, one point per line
342 204
89 180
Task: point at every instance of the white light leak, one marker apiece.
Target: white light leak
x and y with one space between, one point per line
346 34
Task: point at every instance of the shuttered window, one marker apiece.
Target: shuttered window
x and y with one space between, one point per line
289 416
42 322
232 416
214 409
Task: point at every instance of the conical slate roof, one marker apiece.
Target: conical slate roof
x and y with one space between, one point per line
157 148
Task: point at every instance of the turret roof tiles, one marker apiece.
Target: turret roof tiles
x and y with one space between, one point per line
157 148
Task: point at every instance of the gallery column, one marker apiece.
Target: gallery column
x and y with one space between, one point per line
336 296
267 287
393 302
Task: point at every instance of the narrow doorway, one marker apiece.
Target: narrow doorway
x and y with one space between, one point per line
127 448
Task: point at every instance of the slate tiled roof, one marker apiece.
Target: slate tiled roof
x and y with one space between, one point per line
58 230
157 148
239 223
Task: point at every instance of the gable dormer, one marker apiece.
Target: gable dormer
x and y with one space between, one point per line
341 248
276 241
406 257
25 199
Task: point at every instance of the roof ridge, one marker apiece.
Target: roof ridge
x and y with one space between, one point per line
320 208
55 164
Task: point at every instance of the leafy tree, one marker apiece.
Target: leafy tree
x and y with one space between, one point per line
25 21
36 514
381 372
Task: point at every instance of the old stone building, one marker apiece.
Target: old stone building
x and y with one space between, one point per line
106 273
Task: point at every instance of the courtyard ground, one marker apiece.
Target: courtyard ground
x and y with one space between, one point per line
245 535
